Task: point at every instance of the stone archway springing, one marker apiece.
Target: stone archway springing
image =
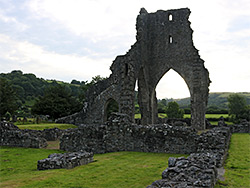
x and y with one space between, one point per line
110 106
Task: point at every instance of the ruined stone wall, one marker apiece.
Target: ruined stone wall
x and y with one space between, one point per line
200 169
11 135
162 43
166 43
65 160
120 135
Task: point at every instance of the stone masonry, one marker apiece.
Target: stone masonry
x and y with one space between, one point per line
118 134
199 169
65 160
11 135
163 42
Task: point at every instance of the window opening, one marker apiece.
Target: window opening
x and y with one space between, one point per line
170 17
126 69
170 39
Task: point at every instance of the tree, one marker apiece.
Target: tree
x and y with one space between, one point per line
238 108
56 102
8 99
161 107
75 82
173 110
96 79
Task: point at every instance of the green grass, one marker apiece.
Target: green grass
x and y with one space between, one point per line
120 169
162 115
46 126
209 115
238 163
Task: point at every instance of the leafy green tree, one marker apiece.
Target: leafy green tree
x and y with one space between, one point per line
238 108
75 82
8 99
161 107
56 102
96 79
173 110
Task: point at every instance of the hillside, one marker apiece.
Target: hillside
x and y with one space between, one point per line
218 99
28 88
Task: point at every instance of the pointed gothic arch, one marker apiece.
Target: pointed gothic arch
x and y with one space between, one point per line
163 42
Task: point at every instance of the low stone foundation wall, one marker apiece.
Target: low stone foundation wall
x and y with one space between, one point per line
66 160
11 135
120 136
208 150
48 134
199 169
215 141
244 127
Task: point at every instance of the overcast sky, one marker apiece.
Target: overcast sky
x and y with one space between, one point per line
79 39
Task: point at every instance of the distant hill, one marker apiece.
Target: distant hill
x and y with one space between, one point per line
28 87
218 99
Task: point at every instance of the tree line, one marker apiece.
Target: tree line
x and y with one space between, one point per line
26 95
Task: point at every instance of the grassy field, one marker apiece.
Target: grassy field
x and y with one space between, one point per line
46 126
162 115
238 163
120 169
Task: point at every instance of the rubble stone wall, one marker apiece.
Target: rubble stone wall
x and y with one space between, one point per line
120 135
65 160
11 135
200 168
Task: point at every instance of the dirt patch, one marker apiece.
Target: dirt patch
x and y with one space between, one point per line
221 172
53 144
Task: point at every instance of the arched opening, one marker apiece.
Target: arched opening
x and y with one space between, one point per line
170 41
111 106
172 87
170 17
137 106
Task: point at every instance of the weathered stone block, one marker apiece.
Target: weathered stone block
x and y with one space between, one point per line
66 160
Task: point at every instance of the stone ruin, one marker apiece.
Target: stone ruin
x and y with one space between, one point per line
163 42
207 151
65 160
199 169
11 135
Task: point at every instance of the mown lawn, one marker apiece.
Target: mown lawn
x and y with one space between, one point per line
162 115
237 165
119 169
42 126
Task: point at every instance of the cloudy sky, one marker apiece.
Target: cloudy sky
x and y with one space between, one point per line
79 39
